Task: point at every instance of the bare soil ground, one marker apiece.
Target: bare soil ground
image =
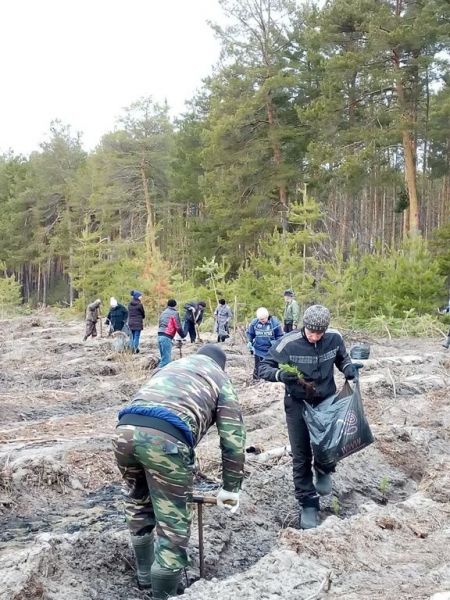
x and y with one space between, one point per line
385 529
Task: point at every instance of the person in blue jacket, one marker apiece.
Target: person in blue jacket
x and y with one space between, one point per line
262 333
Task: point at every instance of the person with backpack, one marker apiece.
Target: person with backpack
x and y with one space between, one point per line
136 316
169 325
261 334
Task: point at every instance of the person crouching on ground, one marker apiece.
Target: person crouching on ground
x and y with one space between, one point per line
136 316
154 449
314 350
262 333
169 325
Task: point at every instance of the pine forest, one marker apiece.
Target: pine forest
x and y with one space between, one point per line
314 156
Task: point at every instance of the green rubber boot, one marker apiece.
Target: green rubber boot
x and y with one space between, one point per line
323 483
164 582
309 517
144 551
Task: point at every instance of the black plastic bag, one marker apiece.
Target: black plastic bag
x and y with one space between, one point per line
338 426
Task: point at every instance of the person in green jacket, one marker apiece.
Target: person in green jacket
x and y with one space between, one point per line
291 317
154 449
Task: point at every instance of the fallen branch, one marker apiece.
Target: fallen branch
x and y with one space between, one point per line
393 382
268 455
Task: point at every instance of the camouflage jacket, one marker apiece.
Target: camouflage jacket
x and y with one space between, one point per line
93 312
196 390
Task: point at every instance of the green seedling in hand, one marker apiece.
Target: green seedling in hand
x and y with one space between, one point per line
309 387
287 368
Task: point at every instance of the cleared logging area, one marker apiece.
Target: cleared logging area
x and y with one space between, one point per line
63 536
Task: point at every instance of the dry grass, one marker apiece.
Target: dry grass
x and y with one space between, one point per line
93 469
33 590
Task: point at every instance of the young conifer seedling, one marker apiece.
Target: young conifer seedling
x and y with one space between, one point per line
287 368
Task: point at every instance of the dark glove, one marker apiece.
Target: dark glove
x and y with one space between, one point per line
351 371
288 378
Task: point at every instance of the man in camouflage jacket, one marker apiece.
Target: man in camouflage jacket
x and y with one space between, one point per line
92 316
154 448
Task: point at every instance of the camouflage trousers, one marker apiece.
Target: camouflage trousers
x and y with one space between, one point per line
158 472
91 329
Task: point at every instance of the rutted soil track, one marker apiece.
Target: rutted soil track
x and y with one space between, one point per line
385 529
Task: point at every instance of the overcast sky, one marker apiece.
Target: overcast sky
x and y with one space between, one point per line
82 61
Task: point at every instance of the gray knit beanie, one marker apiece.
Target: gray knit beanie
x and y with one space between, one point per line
317 318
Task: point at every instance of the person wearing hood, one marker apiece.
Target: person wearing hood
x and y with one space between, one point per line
314 350
92 316
117 315
136 316
154 447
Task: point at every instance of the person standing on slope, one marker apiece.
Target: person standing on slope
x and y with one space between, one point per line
314 350
169 325
261 334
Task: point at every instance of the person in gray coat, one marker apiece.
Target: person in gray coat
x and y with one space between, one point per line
223 315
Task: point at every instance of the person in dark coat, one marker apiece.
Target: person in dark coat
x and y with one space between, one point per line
136 316
117 316
315 350
193 317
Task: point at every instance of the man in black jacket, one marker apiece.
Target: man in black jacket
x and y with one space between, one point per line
193 317
314 350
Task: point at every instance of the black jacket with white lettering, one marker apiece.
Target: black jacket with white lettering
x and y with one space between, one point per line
315 361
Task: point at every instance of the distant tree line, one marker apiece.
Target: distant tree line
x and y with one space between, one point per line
320 141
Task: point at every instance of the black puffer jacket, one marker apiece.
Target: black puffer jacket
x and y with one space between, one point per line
315 361
117 316
136 315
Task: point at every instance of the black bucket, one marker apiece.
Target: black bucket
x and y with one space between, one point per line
360 351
